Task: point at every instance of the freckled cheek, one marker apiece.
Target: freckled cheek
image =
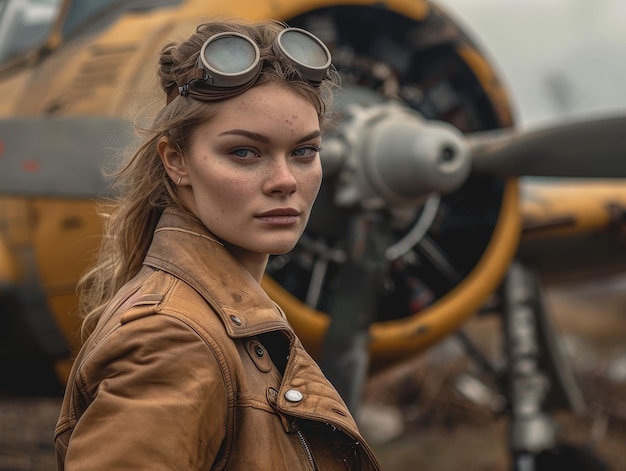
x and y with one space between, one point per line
221 194
230 194
311 184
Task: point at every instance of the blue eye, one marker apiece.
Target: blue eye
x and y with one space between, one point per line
243 153
306 151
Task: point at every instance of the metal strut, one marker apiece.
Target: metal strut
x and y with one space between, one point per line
539 377
531 429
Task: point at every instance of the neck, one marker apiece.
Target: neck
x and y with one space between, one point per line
254 263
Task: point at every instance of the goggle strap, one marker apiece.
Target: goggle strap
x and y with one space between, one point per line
186 79
197 91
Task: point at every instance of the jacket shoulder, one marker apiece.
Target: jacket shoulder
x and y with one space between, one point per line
164 293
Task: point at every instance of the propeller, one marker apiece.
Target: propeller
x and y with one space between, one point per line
387 154
591 149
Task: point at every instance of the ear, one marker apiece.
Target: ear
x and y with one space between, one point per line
173 160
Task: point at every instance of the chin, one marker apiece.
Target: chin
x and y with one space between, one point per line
278 244
281 251
282 248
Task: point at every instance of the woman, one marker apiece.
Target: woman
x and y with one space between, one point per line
188 365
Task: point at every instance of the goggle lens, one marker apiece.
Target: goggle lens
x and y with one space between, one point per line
230 55
306 51
229 59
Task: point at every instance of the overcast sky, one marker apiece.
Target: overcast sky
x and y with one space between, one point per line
557 57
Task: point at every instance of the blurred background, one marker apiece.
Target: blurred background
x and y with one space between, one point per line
559 59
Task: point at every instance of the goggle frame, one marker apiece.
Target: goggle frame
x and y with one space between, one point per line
313 68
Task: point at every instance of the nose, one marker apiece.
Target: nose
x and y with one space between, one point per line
280 179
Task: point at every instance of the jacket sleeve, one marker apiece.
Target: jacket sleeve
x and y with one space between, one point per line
159 401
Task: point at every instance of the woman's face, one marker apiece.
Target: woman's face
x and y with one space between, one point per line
254 171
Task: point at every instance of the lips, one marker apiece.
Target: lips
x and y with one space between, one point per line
280 216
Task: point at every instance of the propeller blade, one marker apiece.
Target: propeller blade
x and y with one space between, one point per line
58 156
592 149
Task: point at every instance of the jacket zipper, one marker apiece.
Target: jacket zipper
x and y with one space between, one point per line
307 449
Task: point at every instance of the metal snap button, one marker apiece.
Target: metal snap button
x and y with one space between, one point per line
235 319
258 355
293 395
258 351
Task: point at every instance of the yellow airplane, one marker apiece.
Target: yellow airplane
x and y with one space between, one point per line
424 218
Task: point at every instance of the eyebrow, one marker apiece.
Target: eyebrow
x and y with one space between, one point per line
255 136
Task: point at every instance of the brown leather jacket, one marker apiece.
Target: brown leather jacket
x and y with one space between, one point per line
183 372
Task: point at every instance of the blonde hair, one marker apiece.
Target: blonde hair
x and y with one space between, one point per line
141 185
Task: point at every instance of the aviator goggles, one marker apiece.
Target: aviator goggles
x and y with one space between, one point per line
232 61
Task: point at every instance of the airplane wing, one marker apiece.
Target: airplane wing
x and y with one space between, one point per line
573 229
59 156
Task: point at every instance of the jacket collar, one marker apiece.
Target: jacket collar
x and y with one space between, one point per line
183 247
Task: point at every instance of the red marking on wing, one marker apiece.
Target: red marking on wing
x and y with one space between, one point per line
30 166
